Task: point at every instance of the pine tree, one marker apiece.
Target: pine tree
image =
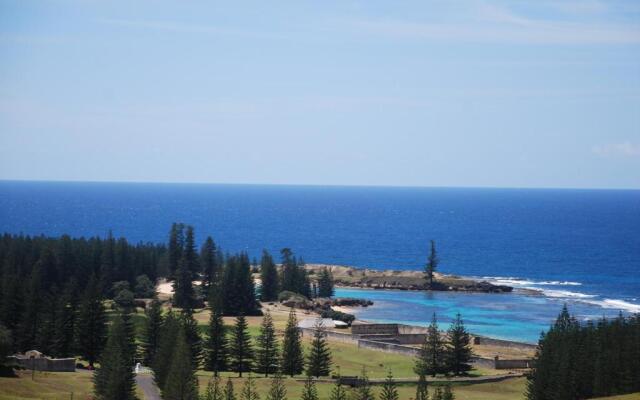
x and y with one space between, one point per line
421 389
292 357
448 393
338 392
277 391
241 351
325 283
176 244
268 277
319 358
437 394
289 271
189 254
192 335
389 389
91 324
363 391
431 358
166 347
183 293
458 350
267 351
181 382
216 344
309 392
32 316
228 393
151 334
214 390
432 264
249 391
114 380
209 261
64 328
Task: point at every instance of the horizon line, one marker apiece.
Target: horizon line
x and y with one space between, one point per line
318 185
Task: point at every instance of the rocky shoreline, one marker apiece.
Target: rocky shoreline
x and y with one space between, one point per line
405 280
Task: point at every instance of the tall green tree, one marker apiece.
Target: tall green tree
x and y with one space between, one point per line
325 283
431 358
269 278
319 357
432 264
189 254
151 333
338 391
241 352
164 355
216 353
114 380
249 391
183 293
181 382
422 392
32 317
210 264
228 393
292 356
290 271
176 245
267 349
91 327
64 324
277 390
214 389
389 388
363 390
309 392
458 349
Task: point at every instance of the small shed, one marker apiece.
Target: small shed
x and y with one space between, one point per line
33 354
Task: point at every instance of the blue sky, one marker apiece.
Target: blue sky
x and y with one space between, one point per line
425 93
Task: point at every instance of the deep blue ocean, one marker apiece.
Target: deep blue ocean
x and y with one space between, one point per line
578 246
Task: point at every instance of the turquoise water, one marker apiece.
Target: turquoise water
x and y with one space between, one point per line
510 316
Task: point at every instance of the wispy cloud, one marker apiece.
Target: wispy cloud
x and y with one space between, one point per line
624 149
494 24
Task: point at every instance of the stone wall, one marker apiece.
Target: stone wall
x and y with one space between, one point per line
512 364
375 329
47 364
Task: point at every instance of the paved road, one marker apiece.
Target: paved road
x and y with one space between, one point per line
148 386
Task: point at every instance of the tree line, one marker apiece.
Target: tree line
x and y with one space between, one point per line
584 360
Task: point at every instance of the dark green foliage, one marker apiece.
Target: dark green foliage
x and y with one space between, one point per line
249 391
181 382
267 347
575 361
32 316
176 244
447 394
64 322
319 357
309 392
145 288
228 393
214 390
432 264
216 343
458 350
192 336
91 325
152 330
211 264
238 287
6 345
431 360
115 380
240 351
294 277
184 295
363 390
189 253
338 391
164 354
422 392
292 357
325 283
269 277
389 389
277 391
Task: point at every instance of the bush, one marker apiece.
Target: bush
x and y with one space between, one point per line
287 295
338 315
145 288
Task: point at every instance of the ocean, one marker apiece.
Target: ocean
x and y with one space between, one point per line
580 247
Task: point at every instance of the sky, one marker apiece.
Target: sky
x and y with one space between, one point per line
414 93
